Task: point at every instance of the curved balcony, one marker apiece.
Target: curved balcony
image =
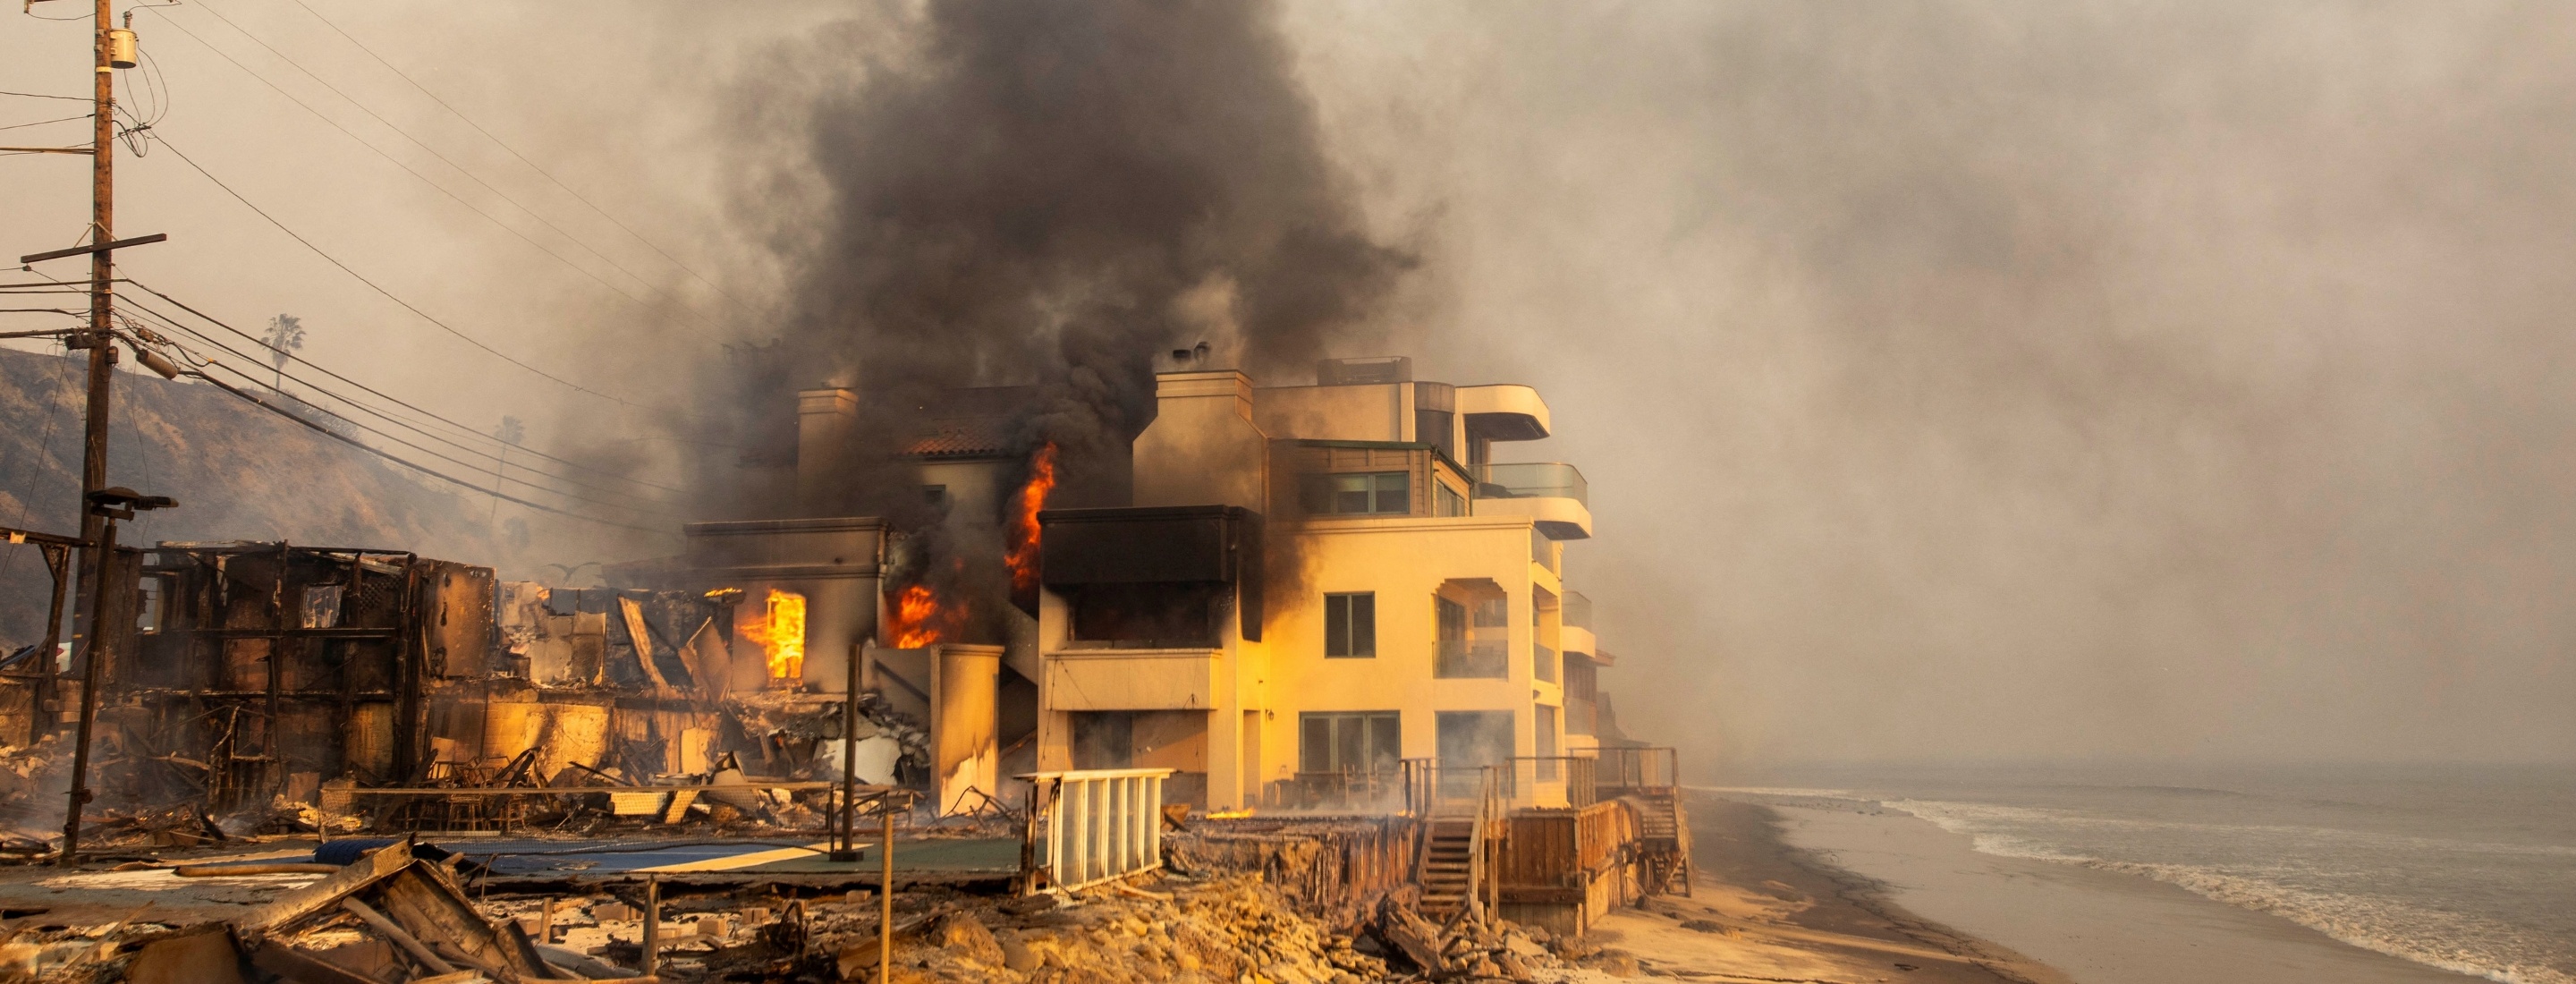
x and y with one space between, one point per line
1552 493
1576 641
1507 412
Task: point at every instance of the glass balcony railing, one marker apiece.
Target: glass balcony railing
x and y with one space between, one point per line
1472 659
1523 480
1577 610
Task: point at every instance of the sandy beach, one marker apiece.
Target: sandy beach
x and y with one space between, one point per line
1853 895
1762 911
2092 926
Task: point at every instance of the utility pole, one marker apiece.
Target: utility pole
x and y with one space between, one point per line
102 351
109 505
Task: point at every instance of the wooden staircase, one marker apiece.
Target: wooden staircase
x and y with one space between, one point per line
1451 863
1663 840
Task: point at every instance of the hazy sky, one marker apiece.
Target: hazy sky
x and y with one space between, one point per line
2003 380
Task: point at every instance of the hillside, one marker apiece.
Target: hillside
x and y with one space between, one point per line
238 471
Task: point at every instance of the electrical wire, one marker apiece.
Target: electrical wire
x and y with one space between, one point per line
397 401
425 179
389 295
45 451
39 95
523 158
431 472
67 119
649 508
201 364
433 151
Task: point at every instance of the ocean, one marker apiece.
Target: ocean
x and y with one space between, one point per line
2469 869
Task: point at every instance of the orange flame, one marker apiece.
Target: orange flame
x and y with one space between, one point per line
781 634
917 618
1023 558
1229 814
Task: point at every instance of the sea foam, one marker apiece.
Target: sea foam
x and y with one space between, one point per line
2422 934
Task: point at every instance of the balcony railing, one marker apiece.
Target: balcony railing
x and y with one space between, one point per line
1472 659
1577 610
1523 480
1543 662
1352 790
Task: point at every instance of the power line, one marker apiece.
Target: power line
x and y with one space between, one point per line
651 507
378 151
434 453
200 364
433 473
21 126
523 158
433 151
39 95
397 401
389 295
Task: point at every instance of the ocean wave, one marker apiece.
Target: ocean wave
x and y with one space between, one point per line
1776 791
1971 818
2449 941
2452 942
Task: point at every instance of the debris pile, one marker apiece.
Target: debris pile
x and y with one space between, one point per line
33 777
1233 929
801 732
1332 868
1470 946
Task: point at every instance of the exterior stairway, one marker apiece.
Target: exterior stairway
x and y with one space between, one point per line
1450 865
1663 841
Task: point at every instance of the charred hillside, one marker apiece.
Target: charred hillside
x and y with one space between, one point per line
239 473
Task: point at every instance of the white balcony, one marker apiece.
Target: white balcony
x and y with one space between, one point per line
1503 413
1558 518
1577 641
1551 493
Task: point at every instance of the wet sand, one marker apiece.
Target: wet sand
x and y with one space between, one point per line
1763 910
2098 927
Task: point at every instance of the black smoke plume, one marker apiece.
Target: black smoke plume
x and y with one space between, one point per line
1051 194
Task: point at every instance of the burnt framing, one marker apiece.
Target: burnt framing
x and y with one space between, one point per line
261 668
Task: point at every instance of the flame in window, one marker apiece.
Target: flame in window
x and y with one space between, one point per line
781 634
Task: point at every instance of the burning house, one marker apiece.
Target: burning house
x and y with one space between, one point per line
1416 605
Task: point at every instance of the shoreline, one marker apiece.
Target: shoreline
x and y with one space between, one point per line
1763 909
2099 926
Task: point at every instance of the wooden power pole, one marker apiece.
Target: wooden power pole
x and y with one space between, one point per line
102 266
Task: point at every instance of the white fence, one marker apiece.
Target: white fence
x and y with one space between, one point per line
1095 825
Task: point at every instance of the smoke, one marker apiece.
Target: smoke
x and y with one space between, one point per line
2028 380
1049 195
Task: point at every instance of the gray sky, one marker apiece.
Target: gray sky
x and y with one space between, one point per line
2008 380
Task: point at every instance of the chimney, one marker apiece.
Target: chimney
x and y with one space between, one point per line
827 422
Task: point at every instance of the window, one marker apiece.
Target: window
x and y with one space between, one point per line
1469 739
1349 741
1463 653
934 495
1446 501
1364 494
148 604
1350 625
1545 728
